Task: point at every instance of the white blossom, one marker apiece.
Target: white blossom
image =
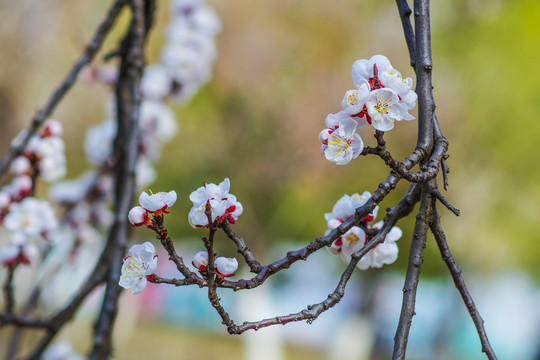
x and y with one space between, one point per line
382 104
20 187
30 218
205 19
353 240
354 100
343 144
20 165
140 263
72 191
210 192
99 141
222 204
345 208
157 121
160 201
155 82
384 253
384 107
226 266
5 199
52 128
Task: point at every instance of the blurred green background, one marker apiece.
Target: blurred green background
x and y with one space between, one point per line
282 66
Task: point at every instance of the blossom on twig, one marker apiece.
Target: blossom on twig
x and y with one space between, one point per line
225 267
223 206
354 239
140 264
157 202
200 260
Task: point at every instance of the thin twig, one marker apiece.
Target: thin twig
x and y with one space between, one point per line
252 262
427 171
8 289
455 271
302 254
312 312
445 202
88 55
211 270
405 16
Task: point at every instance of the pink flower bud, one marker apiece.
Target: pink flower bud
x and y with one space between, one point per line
52 128
138 216
226 266
324 135
200 260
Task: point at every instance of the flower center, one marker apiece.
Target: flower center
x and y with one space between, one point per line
351 238
342 144
133 267
382 106
352 99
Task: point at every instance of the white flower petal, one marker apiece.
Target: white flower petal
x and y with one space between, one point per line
226 266
140 285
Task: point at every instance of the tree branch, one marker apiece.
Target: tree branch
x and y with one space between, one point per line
252 262
8 289
455 271
128 98
405 16
88 55
312 312
413 271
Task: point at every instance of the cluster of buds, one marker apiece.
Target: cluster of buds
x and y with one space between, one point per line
225 267
381 97
217 200
354 239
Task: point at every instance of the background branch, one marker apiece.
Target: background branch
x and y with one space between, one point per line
88 55
455 271
128 98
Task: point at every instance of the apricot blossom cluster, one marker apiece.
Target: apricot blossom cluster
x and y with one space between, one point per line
380 98
354 239
212 204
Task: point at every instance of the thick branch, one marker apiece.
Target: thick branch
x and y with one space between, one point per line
426 104
88 55
413 272
455 271
128 98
